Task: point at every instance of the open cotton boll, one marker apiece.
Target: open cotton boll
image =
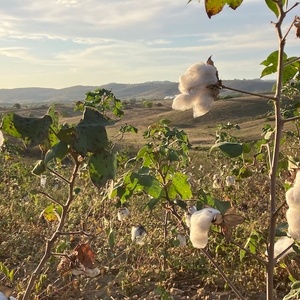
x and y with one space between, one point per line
123 213
200 224
230 181
182 239
293 194
138 233
190 210
282 244
292 216
197 91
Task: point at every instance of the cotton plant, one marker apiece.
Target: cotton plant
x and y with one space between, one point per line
123 213
199 87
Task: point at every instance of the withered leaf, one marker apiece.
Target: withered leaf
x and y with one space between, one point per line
85 255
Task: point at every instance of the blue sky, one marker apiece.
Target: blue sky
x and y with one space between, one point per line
61 43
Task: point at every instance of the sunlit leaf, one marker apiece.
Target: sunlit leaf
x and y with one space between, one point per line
273 7
52 213
102 167
59 151
213 7
39 168
182 186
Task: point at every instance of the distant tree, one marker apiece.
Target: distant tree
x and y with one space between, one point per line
17 105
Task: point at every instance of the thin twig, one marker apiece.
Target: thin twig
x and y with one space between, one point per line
248 93
58 175
50 197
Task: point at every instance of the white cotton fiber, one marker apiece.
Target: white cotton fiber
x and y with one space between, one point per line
200 223
293 219
282 244
293 213
195 91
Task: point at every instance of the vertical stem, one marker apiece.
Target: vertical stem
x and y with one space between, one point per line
165 239
50 242
275 158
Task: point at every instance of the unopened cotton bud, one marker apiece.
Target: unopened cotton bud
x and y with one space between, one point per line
200 224
282 244
123 213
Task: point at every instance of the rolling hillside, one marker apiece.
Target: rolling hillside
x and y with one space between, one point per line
148 90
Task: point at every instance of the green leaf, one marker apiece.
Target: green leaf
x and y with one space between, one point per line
152 203
145 182
102 167
182 186
90 133
60 150
111 238
273 7
230 149
39 168
221 205
33 131
52 135
52 213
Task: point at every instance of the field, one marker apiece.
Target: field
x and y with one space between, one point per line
158 268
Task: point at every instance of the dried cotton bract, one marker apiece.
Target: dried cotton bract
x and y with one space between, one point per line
199 87
200 224
292 214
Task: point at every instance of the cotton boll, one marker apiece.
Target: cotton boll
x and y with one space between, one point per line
293 219
138 233
182 239
198 89
200 224
190 210
2 296
230 180
293 194
123 213
92 272
198 75
282 244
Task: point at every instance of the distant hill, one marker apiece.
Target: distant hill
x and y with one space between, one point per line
147 90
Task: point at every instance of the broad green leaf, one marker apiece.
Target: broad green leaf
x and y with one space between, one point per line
102 167
128 128
39 168
234 4
59 150
230 149
221 205
90 133
182 186
146 183
181 203
33 131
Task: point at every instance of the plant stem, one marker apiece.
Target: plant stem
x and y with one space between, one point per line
50 242
275 158
223 275
248 93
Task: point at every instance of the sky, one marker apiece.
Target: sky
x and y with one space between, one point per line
62 43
